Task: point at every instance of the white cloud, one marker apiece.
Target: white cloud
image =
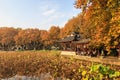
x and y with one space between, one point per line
48 12
48 8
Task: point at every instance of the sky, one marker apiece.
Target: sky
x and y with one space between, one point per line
41 14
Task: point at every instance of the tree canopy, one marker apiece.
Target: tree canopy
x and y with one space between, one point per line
101 21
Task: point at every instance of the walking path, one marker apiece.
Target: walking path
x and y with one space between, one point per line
106 60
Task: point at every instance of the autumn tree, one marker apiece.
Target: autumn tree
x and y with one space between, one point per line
54 32
112 40
102 19
44 38
29 39
7 37
62 33
73 25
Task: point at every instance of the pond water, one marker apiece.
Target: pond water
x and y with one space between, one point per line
22 78
46 76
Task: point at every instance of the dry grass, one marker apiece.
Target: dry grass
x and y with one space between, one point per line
33 63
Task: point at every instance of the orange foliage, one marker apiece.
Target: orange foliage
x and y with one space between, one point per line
7 35
101 21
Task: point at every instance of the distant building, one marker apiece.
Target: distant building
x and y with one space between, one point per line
75 43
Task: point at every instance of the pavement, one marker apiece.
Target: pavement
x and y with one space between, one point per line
100 59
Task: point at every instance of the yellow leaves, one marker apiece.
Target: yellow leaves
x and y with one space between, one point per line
115 43
7 35
54 33
27 36
86 78
80 3
102 21
84 73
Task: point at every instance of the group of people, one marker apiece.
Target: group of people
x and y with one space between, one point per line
90 52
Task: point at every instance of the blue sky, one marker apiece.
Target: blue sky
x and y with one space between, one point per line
40 14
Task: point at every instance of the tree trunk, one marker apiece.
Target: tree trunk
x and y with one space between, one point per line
118 50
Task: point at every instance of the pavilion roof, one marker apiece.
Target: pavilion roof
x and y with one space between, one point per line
81 41
69 38
75 39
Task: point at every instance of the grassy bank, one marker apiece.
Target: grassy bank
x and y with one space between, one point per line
33 63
